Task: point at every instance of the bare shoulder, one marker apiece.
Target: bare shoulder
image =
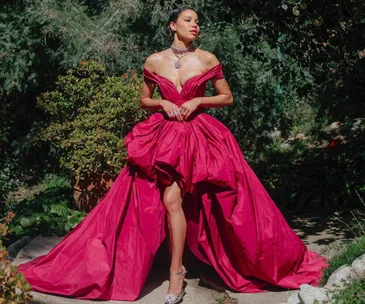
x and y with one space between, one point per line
154 60
208 59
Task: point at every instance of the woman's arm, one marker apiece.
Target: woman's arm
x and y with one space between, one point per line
224 97
146 100
148 88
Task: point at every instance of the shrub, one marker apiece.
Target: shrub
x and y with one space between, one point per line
89 114
14 288
47 212
326 175
7 183
353 293
270 88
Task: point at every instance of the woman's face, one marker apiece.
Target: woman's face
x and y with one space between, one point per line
187 25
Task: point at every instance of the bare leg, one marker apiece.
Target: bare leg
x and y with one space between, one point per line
173 197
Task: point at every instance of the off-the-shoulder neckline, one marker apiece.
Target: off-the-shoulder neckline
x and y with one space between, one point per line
183 86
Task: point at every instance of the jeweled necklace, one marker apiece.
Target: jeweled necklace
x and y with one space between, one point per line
180 53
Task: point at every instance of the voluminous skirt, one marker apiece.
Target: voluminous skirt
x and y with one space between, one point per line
232 223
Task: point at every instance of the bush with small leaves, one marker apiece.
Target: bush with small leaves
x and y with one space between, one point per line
14 289
89 113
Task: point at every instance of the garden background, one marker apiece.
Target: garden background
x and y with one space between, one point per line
70 75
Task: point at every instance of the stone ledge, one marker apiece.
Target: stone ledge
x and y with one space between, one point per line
345 274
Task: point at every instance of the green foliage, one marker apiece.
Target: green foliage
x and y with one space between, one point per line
351 253
20 55
270 88
353 293
47 212
24 72
7 183
89 114
97 30
19 49
13 286
328 36
323 173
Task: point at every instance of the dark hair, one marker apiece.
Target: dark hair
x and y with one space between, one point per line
175 14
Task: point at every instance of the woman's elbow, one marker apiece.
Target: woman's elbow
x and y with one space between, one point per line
142 103
229 100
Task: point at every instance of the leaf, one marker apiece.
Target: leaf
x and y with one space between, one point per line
59 209
18 230
46 218
27 287
25 222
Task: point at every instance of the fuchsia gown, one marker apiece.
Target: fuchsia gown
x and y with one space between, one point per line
232 223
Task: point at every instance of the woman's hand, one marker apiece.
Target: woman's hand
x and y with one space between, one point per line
189 107
172 110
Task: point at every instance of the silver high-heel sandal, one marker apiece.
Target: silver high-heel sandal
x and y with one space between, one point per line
172 298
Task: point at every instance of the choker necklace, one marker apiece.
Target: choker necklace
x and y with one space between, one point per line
180 53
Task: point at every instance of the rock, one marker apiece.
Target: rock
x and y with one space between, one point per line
300 136
344 274
23 253
339 139
293 299
356 124
308 294
14 248
335 125
359 266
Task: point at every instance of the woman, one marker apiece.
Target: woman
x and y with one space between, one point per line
186 165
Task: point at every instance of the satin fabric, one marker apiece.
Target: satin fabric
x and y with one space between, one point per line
232 223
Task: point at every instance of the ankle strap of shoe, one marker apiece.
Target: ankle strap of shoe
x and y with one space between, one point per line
182 272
